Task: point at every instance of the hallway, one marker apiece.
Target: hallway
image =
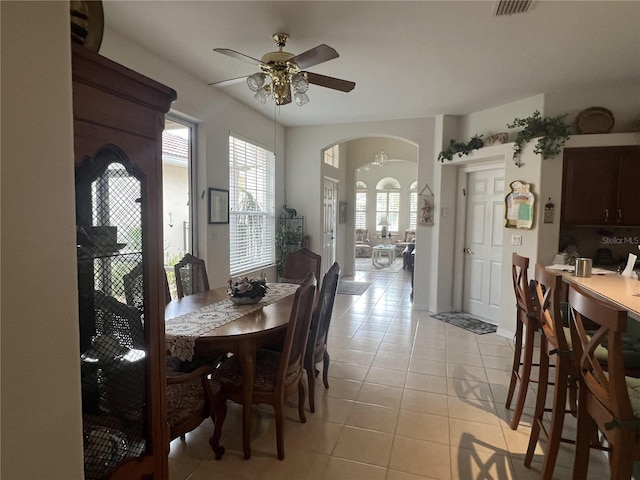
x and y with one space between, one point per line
410 398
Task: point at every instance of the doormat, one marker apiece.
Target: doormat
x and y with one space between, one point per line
352 288
466 321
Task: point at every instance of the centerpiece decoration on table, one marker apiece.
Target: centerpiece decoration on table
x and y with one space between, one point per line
247 290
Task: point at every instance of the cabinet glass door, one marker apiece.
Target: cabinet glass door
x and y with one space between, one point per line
111 281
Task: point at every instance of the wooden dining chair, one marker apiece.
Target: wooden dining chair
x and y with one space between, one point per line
607 401
191 276
277 374
555 342
189 399
527 325
299 264
317 344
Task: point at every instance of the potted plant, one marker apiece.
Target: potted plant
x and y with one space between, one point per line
552 133
460 148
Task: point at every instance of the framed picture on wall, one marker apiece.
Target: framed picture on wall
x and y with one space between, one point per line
218 205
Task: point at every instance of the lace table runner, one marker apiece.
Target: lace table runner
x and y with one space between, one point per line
181 332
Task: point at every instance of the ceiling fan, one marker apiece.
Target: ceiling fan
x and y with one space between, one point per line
286 71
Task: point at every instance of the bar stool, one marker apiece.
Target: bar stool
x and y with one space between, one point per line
553 343
527 324
607 401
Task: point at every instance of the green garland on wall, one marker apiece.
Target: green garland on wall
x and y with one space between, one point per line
553 132
460 148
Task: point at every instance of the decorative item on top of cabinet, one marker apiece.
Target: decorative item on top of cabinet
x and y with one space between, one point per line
552 133
118 120
520 201
595 120
600 186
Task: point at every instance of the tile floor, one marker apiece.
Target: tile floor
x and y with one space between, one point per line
410 398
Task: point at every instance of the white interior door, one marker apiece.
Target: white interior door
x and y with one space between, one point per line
330 201
483 244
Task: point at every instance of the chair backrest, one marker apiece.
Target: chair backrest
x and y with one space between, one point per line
321 318
191 276
134 287
609 405
295 341
299 264
119 320
524 297
548 287
409 235
362 235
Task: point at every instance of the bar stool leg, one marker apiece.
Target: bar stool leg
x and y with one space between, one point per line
517 356
524 377
540 402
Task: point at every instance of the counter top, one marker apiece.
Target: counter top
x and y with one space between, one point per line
622 291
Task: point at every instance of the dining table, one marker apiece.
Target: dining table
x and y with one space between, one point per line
206 323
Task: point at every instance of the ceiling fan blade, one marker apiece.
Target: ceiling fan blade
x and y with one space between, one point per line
316 55
238 55
330 82
230 81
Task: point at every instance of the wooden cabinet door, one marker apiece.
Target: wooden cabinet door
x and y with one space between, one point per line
589 186
628 198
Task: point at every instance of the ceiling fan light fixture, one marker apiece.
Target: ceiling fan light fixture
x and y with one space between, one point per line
301 98
262 95
300 82
256 81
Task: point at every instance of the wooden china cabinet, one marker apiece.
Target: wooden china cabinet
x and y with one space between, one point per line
118 122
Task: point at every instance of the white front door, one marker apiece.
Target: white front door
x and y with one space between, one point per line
483 244
330 201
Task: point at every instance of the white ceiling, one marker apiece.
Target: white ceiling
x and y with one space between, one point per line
408 59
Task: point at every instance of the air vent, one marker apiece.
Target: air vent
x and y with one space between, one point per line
509 7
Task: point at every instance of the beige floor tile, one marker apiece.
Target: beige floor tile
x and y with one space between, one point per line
364 446
467 372
373 417
395 349
496 350
339 388
428 367
398 475
423 426
462 346
301 466
425 402
474 410
426 383
398 339
341 469
472 464
477 436
428 353
391 361
499 377
180 469
349 371
380 395
356 357
335 410
469 389
337 341
385 376
364 345
374 327
368 335
402 329
420 457
497 363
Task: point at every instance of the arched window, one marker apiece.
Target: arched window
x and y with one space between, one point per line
388 203
361 205
413 205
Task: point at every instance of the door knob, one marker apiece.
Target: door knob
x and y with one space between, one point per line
467 250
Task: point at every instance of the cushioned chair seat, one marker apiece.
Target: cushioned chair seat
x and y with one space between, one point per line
184 400
266 373
630 350
633 387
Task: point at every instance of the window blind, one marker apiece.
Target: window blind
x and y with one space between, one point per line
251 207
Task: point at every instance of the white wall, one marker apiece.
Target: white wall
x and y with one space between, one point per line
217 116
40 378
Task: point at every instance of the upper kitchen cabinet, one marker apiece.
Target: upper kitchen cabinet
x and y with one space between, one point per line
600 186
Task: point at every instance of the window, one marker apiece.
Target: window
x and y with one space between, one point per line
251 207
413 205
388 203
361 206
177 150
332 156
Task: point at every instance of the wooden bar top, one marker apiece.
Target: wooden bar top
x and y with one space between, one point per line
622 291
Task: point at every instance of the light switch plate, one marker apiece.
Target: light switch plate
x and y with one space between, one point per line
516 239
